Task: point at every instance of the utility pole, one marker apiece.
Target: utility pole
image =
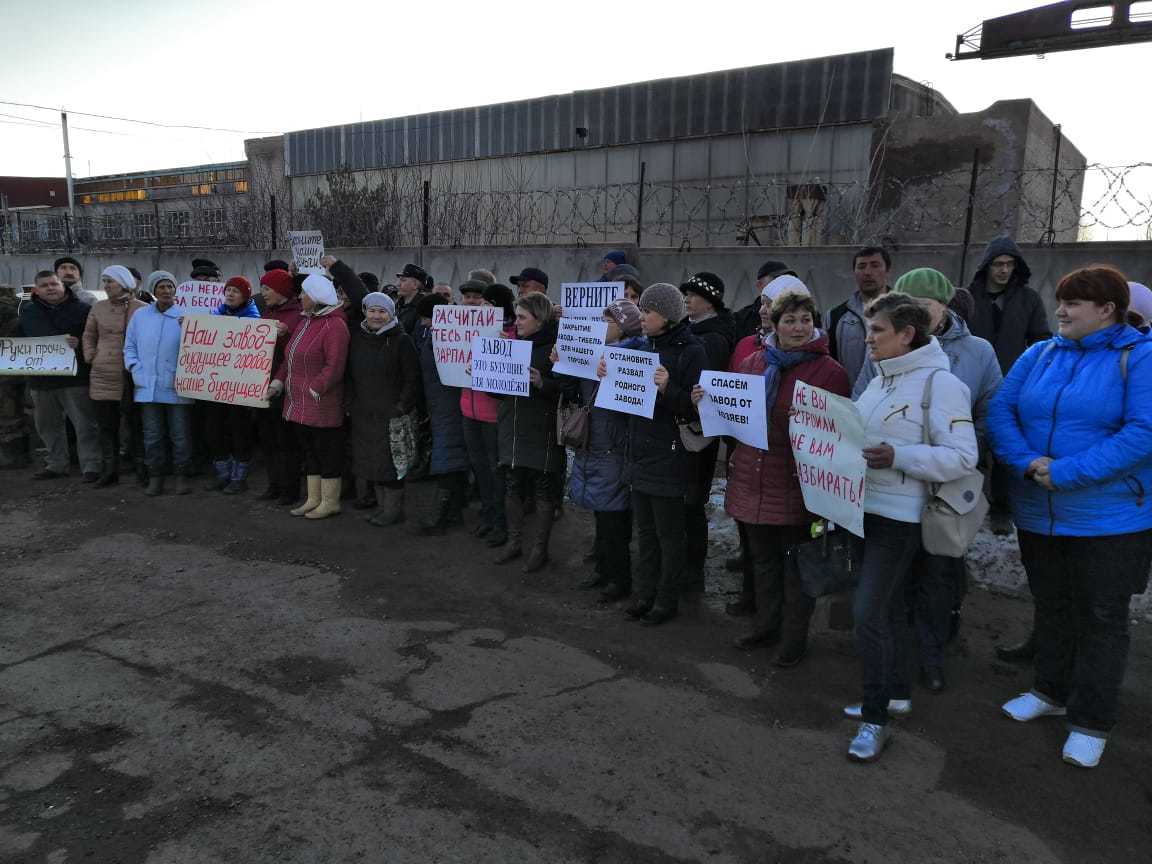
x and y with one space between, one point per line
68 168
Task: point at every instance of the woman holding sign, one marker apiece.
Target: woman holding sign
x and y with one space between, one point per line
763 492
530 457
311 377
910 365
104 349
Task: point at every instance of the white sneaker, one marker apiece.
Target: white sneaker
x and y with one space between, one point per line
869 742
1029 706
896 707
1083 750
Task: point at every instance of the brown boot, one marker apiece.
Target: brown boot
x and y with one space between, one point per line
514 511
545 519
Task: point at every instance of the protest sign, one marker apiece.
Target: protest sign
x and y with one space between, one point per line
40 355
827 438
197 297
501 366
734 405
579 346
307 250
629 386
588 299
226 360
453 330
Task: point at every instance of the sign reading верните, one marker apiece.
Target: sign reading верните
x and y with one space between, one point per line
827 437
198 297
37 355
224 359
579 347
307 250
453 330
734 405
629 385
502 366
588 299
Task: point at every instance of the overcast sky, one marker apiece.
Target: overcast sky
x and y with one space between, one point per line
271 67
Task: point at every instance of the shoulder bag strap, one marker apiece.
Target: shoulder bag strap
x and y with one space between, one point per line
925 405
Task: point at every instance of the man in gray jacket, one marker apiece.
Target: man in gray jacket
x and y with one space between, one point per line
847 331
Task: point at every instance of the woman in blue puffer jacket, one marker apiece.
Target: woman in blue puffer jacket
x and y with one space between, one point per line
598 479
1073 422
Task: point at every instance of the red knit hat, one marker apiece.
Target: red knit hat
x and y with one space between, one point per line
242 285
279 281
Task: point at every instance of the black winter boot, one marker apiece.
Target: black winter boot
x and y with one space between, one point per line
514 512
545 518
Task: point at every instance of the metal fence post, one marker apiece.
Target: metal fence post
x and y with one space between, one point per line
427 196
640 205
968 217
272 219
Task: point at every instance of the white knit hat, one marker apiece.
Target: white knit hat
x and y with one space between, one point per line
784 284
320 289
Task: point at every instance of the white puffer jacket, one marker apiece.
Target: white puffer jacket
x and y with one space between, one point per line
890 408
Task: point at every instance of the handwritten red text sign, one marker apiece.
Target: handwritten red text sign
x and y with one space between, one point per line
227 360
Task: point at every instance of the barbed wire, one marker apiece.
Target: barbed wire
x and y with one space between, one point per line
417 207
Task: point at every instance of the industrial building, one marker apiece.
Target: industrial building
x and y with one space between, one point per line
832 150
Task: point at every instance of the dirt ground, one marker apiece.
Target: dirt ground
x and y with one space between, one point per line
204 680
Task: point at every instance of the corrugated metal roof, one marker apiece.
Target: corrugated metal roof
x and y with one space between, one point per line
846 88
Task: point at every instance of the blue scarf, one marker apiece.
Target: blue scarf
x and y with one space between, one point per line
780 362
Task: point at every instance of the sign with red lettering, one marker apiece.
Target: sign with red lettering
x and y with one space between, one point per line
224 359
827 438
197 297
453 329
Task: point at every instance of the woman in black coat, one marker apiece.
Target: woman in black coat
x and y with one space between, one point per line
531 459
382 382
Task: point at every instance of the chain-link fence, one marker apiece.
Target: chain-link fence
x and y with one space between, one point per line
404 208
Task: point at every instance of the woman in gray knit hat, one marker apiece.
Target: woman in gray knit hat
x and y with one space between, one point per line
658 462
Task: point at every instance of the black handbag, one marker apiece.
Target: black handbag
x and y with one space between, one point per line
828 563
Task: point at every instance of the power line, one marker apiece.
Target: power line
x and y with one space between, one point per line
43 124
131 120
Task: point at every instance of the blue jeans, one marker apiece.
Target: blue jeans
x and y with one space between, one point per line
165 425
882 637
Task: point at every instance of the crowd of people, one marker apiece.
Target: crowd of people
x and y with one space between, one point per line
950 383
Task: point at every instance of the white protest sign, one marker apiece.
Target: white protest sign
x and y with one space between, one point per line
827 438
197 297
734 405
588 299
453 330
307 250
629 386
501 366
37 355
225 359
579 346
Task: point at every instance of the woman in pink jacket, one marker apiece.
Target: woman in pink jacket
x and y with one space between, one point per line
311 377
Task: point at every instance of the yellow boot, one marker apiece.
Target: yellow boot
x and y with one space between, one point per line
313 500
329 499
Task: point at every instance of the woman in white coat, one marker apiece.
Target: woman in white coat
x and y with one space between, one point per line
901 467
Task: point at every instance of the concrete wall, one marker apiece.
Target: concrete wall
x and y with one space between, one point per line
827 269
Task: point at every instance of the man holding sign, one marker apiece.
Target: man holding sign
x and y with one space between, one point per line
55 311
764 493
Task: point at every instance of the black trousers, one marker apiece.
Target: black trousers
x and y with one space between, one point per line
696 517
112 416
780 604
933 590
483 454
1082 588
281 447
230 432
613 545
660 545
322 449
525 483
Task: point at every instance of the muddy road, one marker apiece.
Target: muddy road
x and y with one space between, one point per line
205 680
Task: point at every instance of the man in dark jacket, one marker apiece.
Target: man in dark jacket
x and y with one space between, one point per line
712 324
55 311
412 285
1011 316
658 465
747 320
